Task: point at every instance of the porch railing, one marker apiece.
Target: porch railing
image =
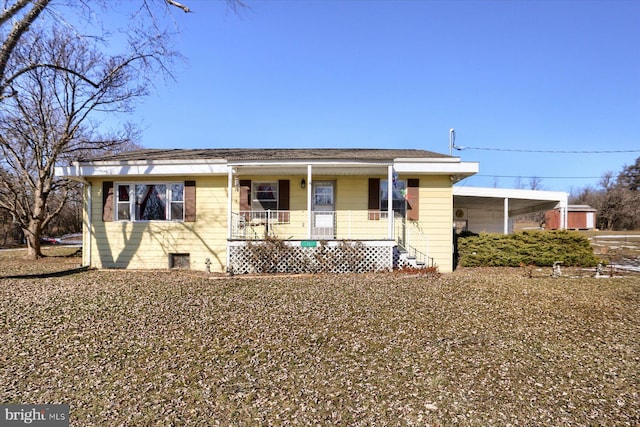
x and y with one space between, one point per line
408 238
293 225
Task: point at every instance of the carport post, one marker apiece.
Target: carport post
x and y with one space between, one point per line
506 215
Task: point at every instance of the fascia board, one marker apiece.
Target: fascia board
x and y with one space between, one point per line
440 168
284 163
173 169
510 193
428 160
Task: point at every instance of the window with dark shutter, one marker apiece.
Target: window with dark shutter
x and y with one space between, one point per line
413 199
283 200
107 201
190 201
374 198
245 198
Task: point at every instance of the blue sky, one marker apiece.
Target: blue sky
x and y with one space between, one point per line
542 75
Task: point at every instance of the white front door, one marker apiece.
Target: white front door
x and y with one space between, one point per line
323 210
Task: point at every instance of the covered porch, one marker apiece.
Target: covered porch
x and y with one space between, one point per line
331 214
310 217
301 201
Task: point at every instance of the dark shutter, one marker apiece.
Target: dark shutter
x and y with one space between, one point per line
245 197
413 199
283 200
190 201
107 201
374 198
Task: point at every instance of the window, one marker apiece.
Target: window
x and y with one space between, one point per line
399 205
150 202
124 203
264 196
323 195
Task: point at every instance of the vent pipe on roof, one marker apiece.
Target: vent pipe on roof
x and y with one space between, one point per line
452 140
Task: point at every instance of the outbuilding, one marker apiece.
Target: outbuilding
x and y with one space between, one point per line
579 217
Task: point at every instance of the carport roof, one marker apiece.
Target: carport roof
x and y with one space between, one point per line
519 201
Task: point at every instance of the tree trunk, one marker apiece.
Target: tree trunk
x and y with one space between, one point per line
32 235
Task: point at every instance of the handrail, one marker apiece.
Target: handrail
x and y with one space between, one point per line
412 251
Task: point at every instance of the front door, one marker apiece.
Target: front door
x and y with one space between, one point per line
323 210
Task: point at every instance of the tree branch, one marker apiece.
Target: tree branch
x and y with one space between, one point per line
178 5
13 11
18 30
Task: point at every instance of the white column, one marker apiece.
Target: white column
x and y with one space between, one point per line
309 195
229 205
506 216
564 213
229 214
390 201
88 222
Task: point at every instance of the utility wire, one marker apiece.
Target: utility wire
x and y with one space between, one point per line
547 151
539 177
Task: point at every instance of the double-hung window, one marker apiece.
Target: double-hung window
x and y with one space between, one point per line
399 202
150 201
264 196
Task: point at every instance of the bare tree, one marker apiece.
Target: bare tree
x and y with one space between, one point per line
535 183
53 82
48 119
18 16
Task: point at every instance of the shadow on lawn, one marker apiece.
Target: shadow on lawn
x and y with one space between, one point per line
62 273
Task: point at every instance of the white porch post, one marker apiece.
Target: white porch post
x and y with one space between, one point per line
87 224
229 214
506 216
309 194
390 201
229 205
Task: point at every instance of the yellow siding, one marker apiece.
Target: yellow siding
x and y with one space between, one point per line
434 231
148 244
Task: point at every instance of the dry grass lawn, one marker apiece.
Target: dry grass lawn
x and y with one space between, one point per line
477 347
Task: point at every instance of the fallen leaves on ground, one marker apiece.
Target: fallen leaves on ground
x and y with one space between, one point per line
477 347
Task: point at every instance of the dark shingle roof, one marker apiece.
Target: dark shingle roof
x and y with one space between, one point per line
239 154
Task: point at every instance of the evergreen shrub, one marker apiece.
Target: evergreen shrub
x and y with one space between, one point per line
540 248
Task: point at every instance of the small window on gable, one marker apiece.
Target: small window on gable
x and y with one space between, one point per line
264 196
399 205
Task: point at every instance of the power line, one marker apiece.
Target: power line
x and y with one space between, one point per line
538 177
547 151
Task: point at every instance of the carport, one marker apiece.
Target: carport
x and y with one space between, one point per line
492 210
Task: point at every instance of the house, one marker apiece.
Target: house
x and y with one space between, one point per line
212 209
579 217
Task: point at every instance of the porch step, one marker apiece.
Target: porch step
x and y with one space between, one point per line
406 260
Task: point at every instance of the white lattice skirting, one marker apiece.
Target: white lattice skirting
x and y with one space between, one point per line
277 256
